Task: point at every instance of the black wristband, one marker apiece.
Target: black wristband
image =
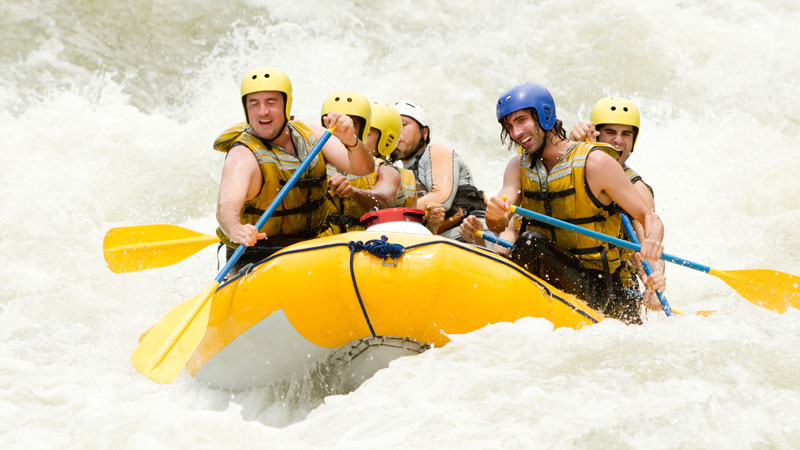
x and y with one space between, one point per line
351 146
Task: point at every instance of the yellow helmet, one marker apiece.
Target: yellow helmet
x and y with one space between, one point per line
350 103
386 119
616 110
267 79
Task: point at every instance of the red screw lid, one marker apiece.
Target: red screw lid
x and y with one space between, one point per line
393 215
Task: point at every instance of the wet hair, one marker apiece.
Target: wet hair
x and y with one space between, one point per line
558 129
359 124
426 139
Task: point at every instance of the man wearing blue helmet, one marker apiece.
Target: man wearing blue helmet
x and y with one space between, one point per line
580 183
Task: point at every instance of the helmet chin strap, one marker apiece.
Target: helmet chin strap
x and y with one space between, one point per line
283 128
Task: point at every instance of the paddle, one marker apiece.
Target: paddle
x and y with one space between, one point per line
128 249
770 289
491 237
167 347
647 269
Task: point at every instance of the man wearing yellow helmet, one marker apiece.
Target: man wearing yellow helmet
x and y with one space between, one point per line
615 121
439 169
351 196
263 153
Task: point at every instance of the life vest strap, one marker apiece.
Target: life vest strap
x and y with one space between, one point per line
305 183
302 209
342 220
587 250
585 220
549 195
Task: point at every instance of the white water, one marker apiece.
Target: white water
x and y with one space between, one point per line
107 114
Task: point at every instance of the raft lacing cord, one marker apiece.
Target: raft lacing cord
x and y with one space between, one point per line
380 248
462 246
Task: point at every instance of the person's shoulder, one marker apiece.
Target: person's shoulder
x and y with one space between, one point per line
316 130
385 169
602 147
601 160
516 162
438 149
240 154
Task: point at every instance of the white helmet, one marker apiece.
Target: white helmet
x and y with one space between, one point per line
413 110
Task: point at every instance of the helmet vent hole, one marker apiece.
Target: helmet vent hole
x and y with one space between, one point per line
266 75
255 76
613 108
337 99
625 108
349 99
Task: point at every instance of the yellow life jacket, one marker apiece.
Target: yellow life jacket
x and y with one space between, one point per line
627 272
301 214
564 194
344 214
407 194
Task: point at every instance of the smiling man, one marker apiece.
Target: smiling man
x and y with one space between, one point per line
263 153
615 121
581 183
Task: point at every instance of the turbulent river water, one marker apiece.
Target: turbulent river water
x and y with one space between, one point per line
107 115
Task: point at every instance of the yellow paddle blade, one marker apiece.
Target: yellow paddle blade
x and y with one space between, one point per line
128 249
704 313
167 346
767 288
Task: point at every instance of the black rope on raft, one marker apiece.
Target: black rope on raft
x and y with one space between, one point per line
469 249
381 248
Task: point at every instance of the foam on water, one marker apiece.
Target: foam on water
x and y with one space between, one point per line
107 117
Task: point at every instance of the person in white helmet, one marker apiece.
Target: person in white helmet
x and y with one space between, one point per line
442 173
615 121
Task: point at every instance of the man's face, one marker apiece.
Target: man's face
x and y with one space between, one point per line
266 113
523 130
409 137
620 136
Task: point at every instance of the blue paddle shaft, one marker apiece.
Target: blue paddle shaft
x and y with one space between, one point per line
648 270
605 238
277 202
489 236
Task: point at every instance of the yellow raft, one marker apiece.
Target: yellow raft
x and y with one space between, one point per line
332 298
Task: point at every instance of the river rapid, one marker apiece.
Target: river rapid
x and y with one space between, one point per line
107 115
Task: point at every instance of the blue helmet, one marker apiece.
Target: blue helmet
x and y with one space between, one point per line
528 95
